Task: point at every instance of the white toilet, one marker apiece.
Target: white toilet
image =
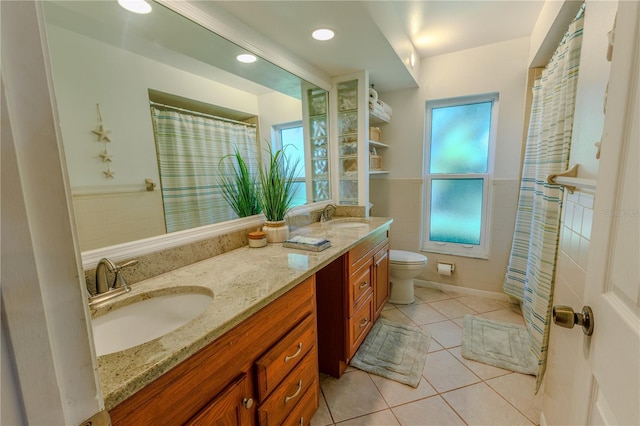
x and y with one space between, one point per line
405 266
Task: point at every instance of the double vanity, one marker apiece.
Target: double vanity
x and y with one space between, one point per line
263 320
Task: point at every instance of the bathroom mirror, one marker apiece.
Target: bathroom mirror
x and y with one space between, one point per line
108 64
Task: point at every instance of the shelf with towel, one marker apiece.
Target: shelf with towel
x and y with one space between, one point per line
569 180
377 119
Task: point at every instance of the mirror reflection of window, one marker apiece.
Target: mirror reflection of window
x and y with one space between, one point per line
290 137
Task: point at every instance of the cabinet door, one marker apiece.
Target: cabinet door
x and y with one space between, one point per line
232 407
381 279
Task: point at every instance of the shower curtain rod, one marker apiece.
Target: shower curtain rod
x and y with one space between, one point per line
201 114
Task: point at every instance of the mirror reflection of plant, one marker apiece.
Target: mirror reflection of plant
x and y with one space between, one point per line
277 189
239 185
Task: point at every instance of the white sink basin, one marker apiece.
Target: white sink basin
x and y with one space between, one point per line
145 320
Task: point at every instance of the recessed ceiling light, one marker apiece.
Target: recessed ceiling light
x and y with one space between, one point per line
246 58
135 6
323 34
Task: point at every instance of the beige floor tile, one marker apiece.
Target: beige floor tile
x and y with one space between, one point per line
459 321
480 405
426 412
484 371
454 293
446 333
452 308
322 416
396 315
388 306
396 393
434 346
511 315
483 304
422 313
444 372
353 395
430 295
519 390
381 418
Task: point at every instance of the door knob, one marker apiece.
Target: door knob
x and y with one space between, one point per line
565 317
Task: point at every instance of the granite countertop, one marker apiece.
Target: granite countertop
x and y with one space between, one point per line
243 281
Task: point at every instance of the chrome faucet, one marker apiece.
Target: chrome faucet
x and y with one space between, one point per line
105 265
326 212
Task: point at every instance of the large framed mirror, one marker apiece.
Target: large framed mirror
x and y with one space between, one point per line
111 68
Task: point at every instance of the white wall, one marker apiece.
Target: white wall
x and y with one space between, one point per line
566 352
87 72
500 67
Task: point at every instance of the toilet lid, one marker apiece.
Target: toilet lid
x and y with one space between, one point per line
406 257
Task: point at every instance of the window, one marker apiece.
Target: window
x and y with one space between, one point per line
459 141
290 137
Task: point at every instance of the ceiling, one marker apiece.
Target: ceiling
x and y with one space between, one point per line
370 34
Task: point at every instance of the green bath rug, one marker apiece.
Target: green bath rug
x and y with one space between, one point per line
394 351
499 344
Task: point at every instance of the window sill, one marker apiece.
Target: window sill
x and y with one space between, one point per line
478 254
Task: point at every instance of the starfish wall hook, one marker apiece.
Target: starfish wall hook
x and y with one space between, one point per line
104 138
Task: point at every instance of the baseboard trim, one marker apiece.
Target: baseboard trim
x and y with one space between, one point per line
464 290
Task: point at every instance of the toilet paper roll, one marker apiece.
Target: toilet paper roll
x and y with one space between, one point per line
444 269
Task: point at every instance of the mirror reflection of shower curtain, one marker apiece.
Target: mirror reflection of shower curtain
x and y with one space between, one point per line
531 270
189 149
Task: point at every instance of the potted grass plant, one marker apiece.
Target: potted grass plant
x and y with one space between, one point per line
276 194
239 184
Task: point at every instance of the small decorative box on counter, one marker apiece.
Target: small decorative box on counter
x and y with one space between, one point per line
307 243
257 239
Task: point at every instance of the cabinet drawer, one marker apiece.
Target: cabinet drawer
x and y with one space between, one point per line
287 396
228 408
274 366
306 408
359 286
359 325
363 251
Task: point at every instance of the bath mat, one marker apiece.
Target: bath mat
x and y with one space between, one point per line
499 344
394 351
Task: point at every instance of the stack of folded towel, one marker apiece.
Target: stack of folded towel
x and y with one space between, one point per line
378 107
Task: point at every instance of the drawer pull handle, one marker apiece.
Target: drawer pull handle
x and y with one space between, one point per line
287 358
364 322
288 398
247 402
301 421
363 285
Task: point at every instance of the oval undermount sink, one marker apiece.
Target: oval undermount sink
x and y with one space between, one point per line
145 320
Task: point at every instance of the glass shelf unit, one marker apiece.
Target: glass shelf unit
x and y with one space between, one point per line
348 139
318 145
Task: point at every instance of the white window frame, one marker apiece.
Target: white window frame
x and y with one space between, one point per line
466 250
277 144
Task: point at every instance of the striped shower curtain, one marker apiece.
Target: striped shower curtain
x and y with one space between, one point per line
189 149
532 265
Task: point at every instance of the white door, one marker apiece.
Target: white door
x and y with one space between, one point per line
613 274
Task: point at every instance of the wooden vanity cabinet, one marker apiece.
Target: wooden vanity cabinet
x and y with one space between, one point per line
263 371
380 272
351 293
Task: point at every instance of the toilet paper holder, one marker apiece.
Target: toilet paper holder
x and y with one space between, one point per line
445 268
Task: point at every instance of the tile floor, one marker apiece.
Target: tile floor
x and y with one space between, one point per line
453 390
